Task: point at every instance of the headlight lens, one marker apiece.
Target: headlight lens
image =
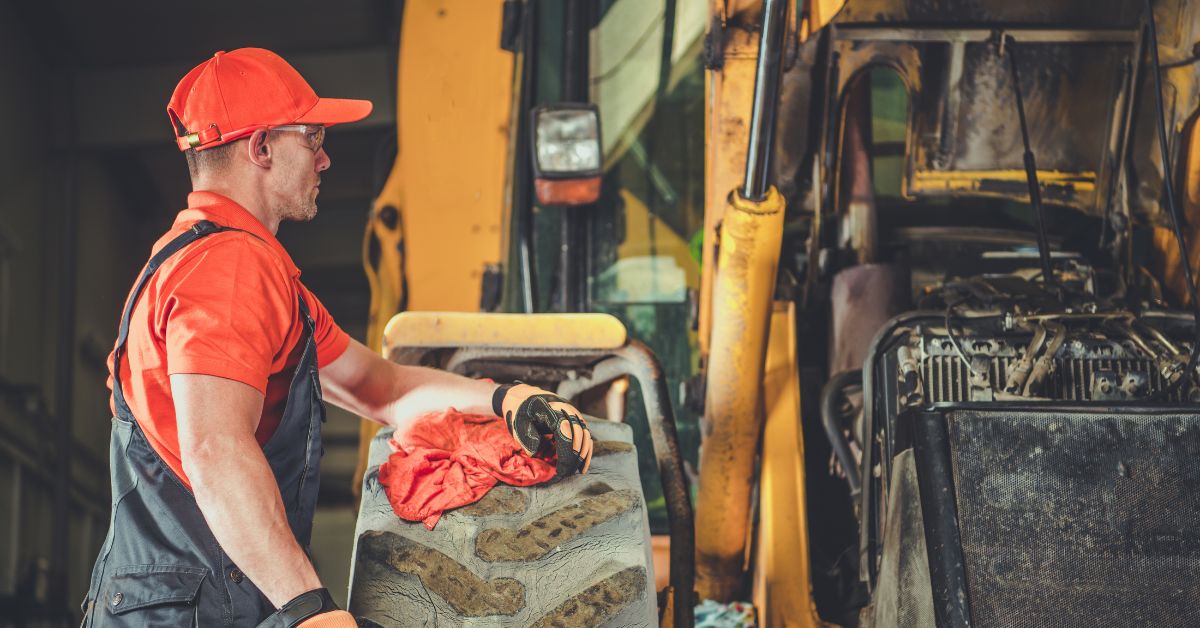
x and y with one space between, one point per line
567 141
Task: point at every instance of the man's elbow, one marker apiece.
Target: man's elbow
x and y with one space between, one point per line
210 462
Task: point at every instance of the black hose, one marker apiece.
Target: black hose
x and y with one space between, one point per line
831 416
1179 64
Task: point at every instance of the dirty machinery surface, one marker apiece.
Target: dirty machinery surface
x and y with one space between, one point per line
570 553
1025 449
1048 461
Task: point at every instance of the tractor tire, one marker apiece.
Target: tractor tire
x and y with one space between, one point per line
570 553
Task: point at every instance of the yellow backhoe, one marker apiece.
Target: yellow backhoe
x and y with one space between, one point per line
828 270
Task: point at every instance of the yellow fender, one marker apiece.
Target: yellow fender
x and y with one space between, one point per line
447 186
383 262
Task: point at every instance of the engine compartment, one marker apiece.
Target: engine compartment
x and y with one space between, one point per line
1004 354
1041 415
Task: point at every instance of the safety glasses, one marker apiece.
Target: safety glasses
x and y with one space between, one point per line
314 134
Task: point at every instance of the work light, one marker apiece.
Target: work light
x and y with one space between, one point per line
567 160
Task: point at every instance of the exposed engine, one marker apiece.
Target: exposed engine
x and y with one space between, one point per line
1003 337
1028 444
988 344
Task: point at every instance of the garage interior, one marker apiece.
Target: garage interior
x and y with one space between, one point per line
868 252
89 178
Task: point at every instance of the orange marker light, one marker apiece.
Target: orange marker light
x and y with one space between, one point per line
567 191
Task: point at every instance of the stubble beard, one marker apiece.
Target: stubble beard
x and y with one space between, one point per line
301 205
298 210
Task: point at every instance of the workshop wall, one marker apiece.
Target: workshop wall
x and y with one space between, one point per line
26 314
80 165
47 187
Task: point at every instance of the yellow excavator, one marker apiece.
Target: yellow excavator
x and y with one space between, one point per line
854 286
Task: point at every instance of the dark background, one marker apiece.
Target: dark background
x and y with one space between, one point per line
89 179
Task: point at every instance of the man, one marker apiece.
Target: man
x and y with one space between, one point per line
220 365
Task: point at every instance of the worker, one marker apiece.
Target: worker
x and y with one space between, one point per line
221 364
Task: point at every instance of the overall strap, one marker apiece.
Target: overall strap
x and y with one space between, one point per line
309 324
199 230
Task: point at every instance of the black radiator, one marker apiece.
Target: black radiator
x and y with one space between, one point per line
1078 519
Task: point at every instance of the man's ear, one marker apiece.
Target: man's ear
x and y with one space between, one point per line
259 149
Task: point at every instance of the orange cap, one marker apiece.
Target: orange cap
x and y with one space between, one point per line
232 94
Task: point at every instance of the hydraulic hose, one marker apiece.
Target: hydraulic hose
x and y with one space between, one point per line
831 394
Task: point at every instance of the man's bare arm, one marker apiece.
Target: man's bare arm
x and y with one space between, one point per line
234 485
393 394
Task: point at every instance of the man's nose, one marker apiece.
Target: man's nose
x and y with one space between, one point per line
323 160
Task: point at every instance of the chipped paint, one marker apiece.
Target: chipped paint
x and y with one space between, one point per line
751 234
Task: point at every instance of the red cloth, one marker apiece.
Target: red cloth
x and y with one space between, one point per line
451 459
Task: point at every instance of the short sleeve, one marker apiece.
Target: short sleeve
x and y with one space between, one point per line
226 312
331 340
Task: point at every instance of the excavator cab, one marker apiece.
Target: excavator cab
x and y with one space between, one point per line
530 242
561 250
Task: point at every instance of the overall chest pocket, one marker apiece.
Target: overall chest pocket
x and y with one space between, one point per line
151 595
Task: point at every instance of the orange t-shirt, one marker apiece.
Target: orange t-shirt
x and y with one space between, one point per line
225 305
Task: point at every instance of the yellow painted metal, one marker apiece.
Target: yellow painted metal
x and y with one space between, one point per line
782 586
385 275
476 329
818 13
730 91
447 183
453 118
1167 261
971 180
751 234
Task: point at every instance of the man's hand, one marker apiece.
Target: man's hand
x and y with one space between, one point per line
311 609
532 413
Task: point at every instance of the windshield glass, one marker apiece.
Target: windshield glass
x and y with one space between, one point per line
648 81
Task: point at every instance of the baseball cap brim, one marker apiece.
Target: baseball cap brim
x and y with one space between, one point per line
329 111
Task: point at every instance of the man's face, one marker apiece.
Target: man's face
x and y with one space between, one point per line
295 175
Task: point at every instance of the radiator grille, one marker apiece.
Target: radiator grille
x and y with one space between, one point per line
1079 520
946 378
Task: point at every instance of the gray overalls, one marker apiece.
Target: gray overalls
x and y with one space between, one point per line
160 564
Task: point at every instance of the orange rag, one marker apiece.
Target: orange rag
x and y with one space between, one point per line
450 459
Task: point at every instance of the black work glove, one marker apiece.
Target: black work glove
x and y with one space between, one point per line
312 609
532 413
